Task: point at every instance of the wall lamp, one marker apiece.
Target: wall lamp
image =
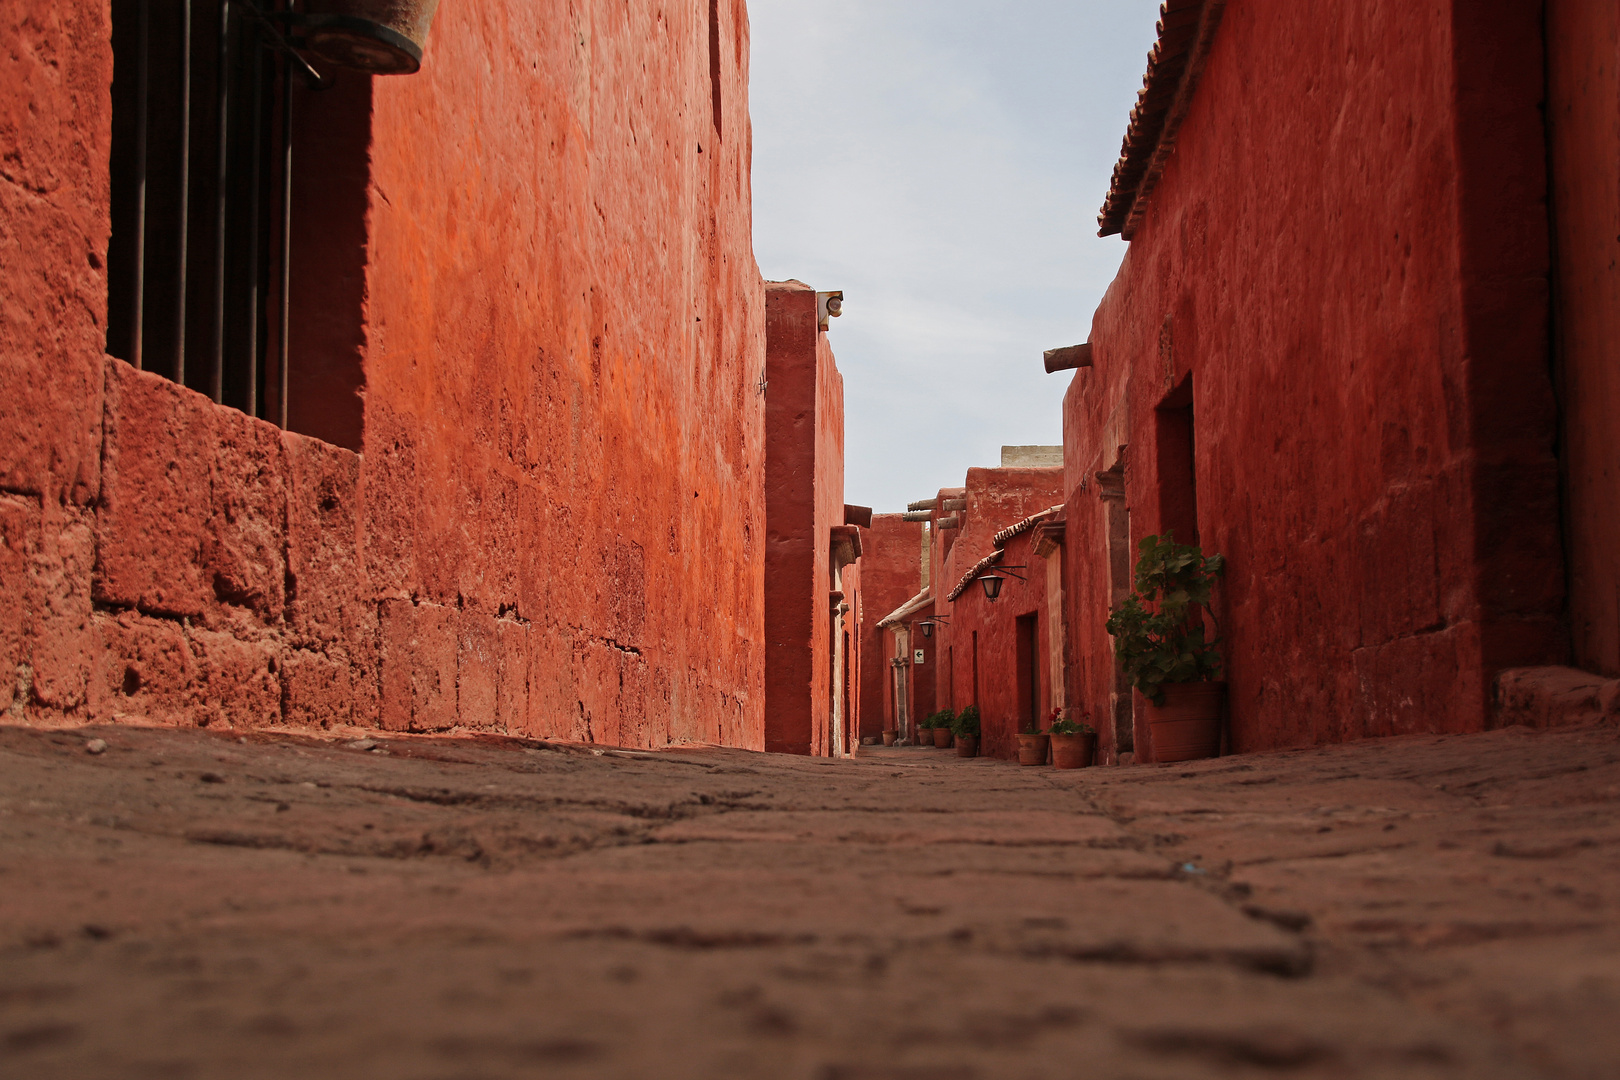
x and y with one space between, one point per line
992 582
927 625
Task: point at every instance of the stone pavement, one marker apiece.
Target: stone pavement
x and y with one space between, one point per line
187 905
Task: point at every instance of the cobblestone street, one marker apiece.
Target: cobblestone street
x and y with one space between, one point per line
183 904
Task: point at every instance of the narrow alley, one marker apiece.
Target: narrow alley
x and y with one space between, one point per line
190 904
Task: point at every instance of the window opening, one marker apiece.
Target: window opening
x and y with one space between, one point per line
1178 473
215 261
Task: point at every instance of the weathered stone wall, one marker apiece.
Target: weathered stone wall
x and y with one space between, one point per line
1347 254
555 526
979 631
889 576
804 488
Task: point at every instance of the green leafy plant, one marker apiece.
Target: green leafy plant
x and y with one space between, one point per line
1159 631
1069 727
939 718
966 721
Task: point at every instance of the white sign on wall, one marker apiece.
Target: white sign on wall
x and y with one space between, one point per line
917 656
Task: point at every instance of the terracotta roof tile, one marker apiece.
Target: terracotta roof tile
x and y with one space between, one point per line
1186 30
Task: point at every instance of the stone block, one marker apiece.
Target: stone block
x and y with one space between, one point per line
327 603
60 636
511 675
244 547
317 691
417 666
142 666
155 507
477 669
19 537
1548 697
237 683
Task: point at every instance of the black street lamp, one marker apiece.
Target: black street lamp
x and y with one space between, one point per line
992 582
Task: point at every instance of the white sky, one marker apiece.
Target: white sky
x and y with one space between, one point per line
942 162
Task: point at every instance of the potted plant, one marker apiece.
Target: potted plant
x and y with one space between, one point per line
1163 645
966 727
944 728
1072 743
383 37
1032 745
889 736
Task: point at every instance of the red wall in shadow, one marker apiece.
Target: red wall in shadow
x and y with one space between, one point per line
1347 254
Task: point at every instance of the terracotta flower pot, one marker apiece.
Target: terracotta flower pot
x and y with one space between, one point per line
1073 751
889 737
384 37
942 738
967 746
1032 749
1188 725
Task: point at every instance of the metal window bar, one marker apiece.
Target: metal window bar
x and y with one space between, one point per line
197 218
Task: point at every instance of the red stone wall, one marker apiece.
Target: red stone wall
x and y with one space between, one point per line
890 574
996 498
556 524
1347 254
992 629
1583 50
804 490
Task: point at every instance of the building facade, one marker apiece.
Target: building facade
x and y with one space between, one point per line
1326 356
424 402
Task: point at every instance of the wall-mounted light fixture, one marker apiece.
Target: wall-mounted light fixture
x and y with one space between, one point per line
992 582
829 305
927 625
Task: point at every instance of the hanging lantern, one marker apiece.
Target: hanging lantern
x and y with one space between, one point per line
927 628
381 37
992 586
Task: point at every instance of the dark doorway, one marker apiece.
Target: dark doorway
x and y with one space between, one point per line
1177 456
1029 672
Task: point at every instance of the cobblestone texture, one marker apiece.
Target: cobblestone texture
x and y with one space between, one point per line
186 904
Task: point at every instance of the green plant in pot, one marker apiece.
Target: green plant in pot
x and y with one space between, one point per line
1033 744
966 728
943 730
1162 641
1073 743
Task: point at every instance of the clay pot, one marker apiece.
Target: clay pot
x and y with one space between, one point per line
942 738
1073 751
1188 725
889 737
967 746
383 37
1031 749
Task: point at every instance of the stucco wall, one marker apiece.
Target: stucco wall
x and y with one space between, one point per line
996 498
890 575
1583 50
804 485
1347 252
556 525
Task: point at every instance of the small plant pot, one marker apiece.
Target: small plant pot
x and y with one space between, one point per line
967 746
1188 725
889 737
942 738
1073 751
1032 749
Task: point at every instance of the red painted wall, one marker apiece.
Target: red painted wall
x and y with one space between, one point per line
890 574
1348 254
1583 51
804 490
996 498
556 526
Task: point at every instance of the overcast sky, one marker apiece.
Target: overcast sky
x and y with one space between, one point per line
942 162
